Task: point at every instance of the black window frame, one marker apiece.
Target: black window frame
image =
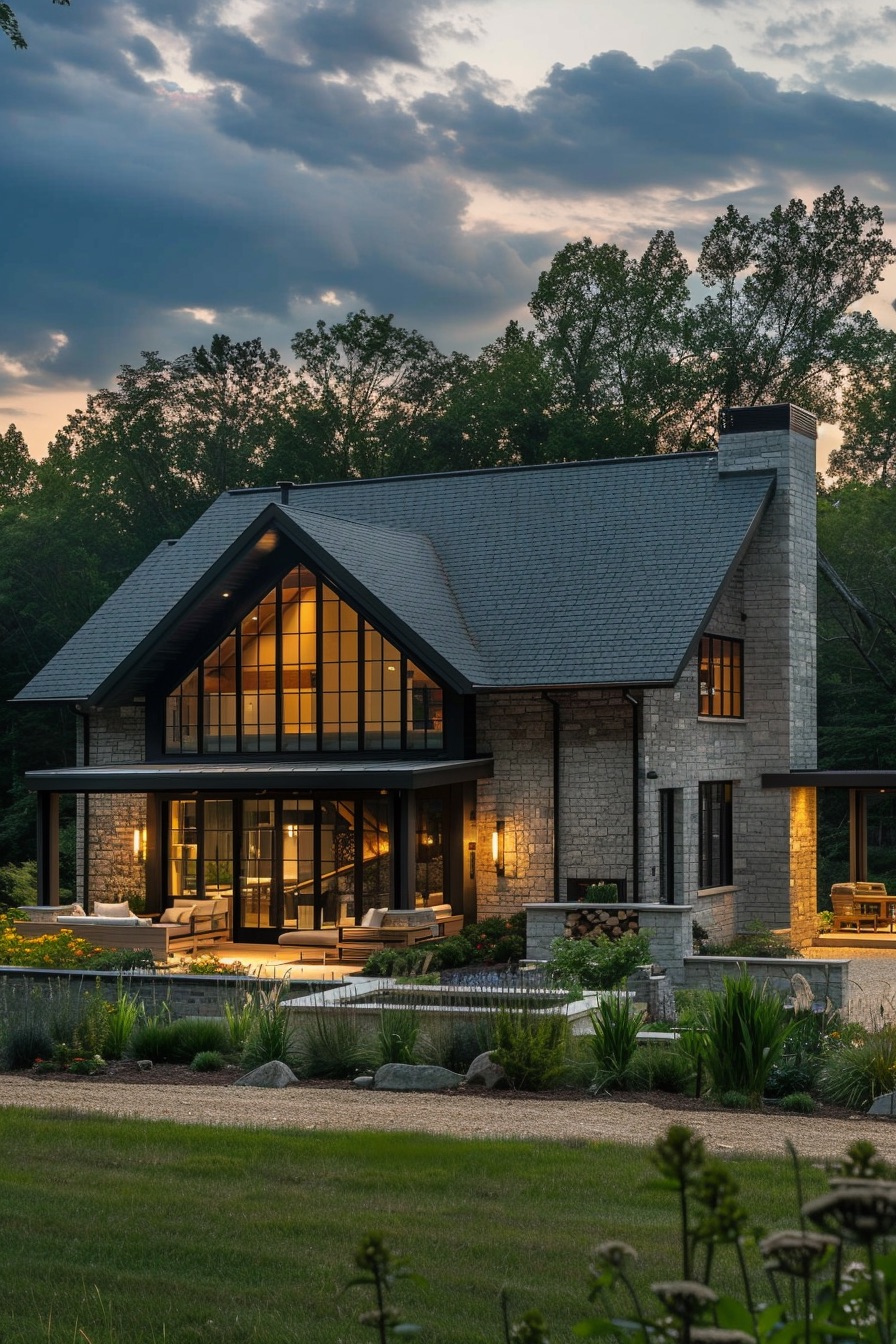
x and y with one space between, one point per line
716 831
718 655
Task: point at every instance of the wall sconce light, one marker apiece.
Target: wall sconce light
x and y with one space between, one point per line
471 849
498 847
140 843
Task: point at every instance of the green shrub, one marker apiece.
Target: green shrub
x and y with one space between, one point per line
744 1031
124 1014
24 1042
735 1101
530 1047
755 941
616 1024
454 1042
121 959
800 1103
602 893
240 1019
661 1068
334 1044
497 938
208 1061
853 1075
191 1036
18 884
272 1036
92 1029
153 1040
397 1033
597 962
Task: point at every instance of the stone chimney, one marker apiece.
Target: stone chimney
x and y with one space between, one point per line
780 572
777 841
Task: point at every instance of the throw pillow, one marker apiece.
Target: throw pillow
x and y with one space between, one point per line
112 909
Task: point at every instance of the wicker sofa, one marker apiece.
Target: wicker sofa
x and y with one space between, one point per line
185 927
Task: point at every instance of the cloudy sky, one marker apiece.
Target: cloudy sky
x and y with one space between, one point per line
172 168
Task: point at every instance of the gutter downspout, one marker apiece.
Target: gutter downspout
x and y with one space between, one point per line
555 733
636 794
84 716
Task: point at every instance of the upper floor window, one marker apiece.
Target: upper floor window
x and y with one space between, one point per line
721 678
303 671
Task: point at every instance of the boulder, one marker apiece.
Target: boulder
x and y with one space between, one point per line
273 1074
364 1080
415 1078
885 1105
484 1072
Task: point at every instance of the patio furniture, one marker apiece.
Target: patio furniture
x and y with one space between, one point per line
862 907
320 942
106 933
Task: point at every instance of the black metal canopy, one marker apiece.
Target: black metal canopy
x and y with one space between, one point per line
279 776
831 779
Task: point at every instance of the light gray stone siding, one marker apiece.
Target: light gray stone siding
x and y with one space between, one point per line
828 979
116 737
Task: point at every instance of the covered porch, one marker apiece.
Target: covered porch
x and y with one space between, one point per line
287 845
870 801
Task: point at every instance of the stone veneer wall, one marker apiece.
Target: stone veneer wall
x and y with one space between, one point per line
186 995
668 926
117 737
828 979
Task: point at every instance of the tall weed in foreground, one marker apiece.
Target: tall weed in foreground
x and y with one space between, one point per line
531 1047
744 1030
616 1024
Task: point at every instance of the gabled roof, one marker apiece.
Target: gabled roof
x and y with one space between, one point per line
593 573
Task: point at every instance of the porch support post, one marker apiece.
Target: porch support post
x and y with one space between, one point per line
858 837
48 848
407 850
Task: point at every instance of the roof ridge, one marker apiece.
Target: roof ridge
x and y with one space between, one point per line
466 472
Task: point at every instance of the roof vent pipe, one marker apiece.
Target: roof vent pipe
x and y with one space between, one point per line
284 488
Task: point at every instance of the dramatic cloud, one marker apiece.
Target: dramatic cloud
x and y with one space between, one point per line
613 125
173 164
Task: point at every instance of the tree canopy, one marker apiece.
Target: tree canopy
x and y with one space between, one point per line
9 25
623 357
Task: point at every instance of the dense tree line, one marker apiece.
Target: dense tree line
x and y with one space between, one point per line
620 359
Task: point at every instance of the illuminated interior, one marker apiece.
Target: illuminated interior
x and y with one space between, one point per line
303 671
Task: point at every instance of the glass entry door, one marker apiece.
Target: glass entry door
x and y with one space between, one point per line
257 864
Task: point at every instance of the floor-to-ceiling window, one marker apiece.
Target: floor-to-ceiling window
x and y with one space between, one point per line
304 672
283 862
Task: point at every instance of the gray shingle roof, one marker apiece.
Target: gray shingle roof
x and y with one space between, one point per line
599 573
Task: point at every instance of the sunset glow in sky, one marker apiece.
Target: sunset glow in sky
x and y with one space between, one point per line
173 168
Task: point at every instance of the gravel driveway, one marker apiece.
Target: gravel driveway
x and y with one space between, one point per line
492 1115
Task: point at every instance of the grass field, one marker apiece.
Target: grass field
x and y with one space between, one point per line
130 1231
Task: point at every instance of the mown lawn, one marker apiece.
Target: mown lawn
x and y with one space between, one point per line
133 1231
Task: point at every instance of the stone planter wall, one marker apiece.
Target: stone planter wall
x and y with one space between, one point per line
829 979
669 928
187 995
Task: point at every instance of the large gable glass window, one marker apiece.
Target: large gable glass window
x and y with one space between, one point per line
303 671
721 678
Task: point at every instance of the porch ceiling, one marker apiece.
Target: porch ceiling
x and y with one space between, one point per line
259 775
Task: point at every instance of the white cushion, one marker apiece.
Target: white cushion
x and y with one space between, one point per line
112 910
179 914
93 921
373 918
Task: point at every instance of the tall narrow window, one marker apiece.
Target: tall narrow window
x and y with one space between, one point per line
716 868
721 678
303 672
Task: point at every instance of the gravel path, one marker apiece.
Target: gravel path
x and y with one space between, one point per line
495 1116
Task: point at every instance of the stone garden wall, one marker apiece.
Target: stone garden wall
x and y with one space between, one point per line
186 995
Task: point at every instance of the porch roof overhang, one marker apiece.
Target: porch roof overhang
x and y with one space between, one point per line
831 779
250 777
